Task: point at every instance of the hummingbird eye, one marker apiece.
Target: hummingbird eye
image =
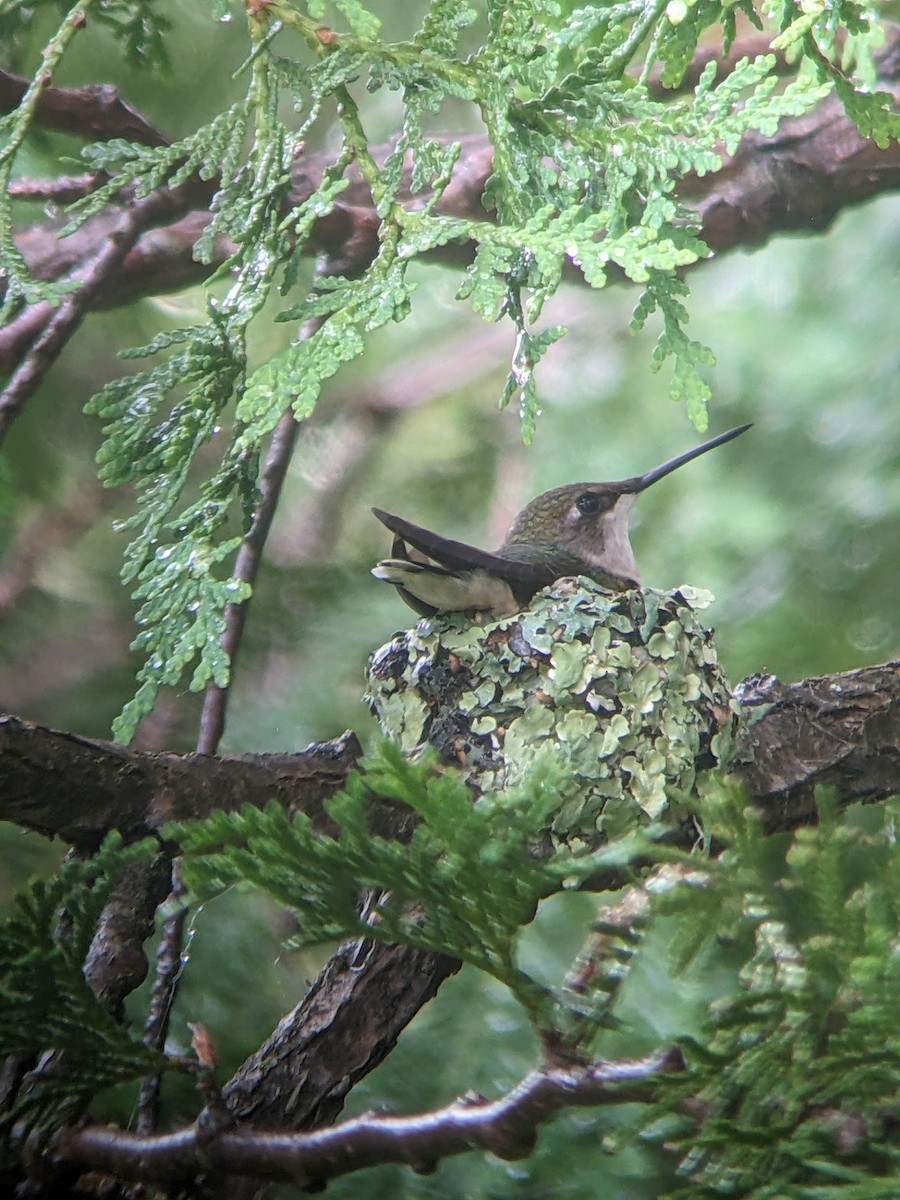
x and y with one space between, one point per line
587 503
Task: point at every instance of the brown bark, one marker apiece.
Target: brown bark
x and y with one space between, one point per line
96 111
350 1019
841 730
506 1127
79 789
837 731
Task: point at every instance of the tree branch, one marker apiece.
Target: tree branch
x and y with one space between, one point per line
506 1127
797 181
838 731
246 567
79 789
94 112
63 321
116 963
842 730
352 1015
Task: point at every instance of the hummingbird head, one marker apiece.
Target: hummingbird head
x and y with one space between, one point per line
586 521
590 521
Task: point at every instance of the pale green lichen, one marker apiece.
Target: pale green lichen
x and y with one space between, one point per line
623 688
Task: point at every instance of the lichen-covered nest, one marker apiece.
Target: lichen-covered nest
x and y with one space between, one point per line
624 689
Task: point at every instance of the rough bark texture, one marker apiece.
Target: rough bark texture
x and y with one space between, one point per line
352 1015
841 730
79 789
116 963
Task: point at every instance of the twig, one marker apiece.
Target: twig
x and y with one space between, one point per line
506 1127
598 972
162 997
246 568
64 190
20 333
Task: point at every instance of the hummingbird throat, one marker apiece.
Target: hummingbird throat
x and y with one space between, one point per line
612 552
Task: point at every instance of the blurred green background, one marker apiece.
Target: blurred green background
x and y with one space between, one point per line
795 528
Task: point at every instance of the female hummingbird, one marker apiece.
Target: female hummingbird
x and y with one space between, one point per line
578 529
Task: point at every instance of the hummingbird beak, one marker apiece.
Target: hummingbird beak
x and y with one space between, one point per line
640 482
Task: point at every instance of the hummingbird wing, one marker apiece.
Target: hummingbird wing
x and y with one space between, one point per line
524 576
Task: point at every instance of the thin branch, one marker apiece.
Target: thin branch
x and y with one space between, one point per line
506 1127
66 189
796 181
596 976
246 568
74 307
212 726
169 967
281 448
94 112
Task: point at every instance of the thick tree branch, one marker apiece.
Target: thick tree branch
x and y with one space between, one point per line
78 789
838 731
506 1127
843 730
352 1015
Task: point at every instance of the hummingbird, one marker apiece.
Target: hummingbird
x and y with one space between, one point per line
577 529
